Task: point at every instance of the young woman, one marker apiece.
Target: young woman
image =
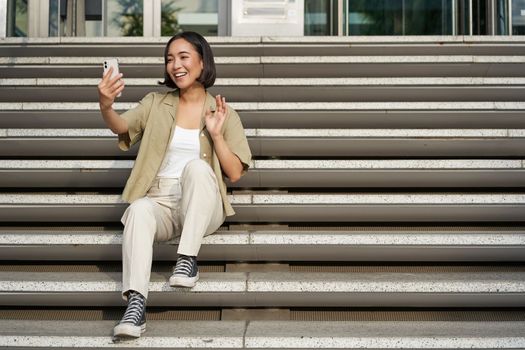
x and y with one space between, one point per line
190 140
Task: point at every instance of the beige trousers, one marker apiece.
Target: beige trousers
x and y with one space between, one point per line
189 207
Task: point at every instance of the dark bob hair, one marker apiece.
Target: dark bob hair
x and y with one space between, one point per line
208 75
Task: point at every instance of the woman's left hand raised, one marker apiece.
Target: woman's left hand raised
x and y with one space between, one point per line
215 120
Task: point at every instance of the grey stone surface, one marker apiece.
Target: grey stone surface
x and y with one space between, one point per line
394 282
98 334
390 81
10 106
406 198
387 133
275 282
516 133
273 106
426 81
272 59
285 164
96 282
24 60
319 237
105 238
385 335
391 59
430 39
79 199
460 106
388 164
276 198
18 82
66 164
407 237
269 334
60 133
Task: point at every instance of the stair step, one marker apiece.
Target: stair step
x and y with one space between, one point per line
284 89
269 334
275 207
270 46
276 66
284 173
97 334
289 142
429 114
275 289
373 244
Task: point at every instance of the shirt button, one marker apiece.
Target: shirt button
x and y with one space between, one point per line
202 134
204 154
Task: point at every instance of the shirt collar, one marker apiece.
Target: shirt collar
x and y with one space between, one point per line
172 99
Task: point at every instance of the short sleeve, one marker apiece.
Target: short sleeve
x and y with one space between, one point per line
236 139
136 118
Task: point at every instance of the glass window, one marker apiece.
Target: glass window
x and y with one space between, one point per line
375 17
400 17
480 20
502 17
17 18
518 17
462 17
427 17
77 18
96 18
54 14
318 17
182 15
124 18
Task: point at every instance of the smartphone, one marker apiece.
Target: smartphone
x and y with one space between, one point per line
112 62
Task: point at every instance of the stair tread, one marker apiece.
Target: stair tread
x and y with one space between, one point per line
276 282
271 334
269 198
284 164
282 237
349 81
46 61
503 133
326 107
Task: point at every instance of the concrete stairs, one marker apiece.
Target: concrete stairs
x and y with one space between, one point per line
385 208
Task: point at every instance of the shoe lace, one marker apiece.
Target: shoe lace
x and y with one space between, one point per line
135 310
184 266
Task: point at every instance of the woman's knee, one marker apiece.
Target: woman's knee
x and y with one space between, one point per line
142 206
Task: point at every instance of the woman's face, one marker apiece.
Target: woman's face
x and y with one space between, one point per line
184 64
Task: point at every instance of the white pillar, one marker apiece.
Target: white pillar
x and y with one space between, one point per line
510 17
38 18
470 24
152 18
3 18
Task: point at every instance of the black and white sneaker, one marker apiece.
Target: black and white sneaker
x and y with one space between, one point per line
133 323
185 273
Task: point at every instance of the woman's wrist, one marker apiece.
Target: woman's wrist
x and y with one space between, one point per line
217 138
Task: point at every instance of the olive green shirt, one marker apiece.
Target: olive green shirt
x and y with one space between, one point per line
153 121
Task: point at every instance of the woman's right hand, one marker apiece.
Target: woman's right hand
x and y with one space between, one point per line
109 88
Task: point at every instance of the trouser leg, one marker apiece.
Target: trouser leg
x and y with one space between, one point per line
144 222
201 206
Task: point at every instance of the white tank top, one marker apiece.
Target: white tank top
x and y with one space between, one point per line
183 148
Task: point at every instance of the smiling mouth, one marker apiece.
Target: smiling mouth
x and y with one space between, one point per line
180 75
